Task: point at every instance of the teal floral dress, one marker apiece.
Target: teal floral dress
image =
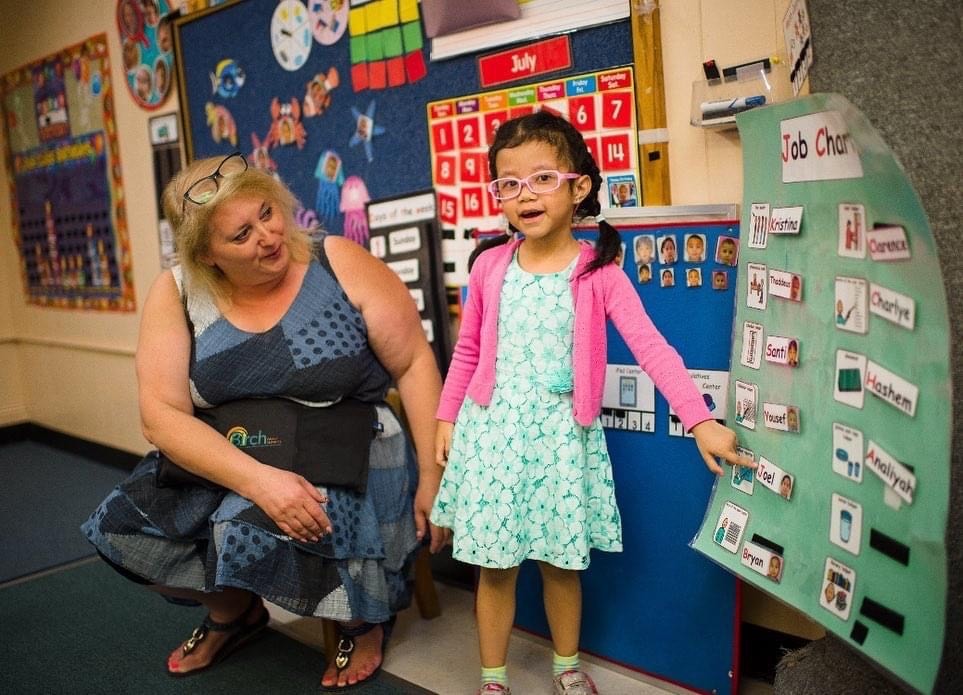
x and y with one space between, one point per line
524 479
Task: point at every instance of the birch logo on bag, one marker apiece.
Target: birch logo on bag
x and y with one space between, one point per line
242 439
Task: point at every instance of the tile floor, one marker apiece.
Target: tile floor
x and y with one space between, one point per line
441 654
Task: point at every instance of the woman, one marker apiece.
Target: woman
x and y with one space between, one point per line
272 313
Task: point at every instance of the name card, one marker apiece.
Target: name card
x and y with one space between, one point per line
891 388
786 220
775 478
897 476
762 560
785 285
784 418
782 350
888 244
892 306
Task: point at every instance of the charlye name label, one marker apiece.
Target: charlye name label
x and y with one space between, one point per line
891 388
892 306
817 147
892 472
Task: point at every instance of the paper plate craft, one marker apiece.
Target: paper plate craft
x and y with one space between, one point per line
146 49
329 19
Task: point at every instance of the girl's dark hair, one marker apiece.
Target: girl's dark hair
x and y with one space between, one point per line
544 126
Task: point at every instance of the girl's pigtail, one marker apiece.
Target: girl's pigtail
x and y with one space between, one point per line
607 248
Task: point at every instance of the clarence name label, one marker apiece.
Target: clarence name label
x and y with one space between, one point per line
888 244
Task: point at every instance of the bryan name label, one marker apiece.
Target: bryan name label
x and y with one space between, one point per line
818 147
786 220
762 560
892 306
888 244
893 389
891 471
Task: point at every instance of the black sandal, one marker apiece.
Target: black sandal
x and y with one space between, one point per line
243 633
346 649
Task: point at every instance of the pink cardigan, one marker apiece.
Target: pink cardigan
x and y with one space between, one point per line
604 293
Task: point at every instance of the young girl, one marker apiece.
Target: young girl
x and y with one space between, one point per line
528 474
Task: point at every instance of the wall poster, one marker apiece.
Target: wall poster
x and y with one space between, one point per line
65 186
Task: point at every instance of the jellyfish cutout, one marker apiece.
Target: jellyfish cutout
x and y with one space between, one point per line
354 195
330 175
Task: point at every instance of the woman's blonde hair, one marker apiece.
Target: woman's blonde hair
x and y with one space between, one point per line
192 222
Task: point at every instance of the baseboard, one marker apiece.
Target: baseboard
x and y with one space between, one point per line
28 431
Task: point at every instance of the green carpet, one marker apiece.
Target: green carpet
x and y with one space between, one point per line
87 630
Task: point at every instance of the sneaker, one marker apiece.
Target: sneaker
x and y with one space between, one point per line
574 683
495 689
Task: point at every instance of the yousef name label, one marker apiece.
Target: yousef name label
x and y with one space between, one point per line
892 472
888 244
785 285
891 388
784 418
892 306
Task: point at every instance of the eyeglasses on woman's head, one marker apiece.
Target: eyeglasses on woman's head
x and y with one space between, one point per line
202 190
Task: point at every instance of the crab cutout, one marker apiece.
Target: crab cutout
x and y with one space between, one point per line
286 128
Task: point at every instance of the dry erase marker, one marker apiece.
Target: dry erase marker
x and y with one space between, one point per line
728 107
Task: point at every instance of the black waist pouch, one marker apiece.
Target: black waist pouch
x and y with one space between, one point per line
328 446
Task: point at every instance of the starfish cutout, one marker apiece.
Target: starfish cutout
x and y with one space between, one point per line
365 129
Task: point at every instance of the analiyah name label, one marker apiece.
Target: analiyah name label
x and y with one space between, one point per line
897 476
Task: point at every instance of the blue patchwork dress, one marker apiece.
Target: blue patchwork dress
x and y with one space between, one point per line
204 539
524 480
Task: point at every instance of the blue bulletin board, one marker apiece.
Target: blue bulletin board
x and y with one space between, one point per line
658 607
230 71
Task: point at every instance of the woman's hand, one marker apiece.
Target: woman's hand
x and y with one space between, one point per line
293 503
424 499
443 442
714 440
